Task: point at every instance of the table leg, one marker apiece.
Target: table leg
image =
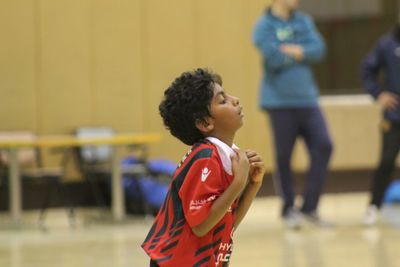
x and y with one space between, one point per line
118 194
14 187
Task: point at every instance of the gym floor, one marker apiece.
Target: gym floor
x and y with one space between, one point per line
261 240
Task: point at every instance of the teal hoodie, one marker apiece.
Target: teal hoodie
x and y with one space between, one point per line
287 83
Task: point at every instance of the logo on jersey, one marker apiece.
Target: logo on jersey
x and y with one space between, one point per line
204 174
198 204
225 251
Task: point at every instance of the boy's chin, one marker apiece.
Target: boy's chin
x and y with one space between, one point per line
240 125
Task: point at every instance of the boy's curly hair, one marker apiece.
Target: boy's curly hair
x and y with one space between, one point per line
186 101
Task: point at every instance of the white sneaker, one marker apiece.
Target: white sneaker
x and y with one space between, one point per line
371 216
292 219
314 219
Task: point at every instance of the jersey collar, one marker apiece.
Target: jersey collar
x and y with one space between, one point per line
224 152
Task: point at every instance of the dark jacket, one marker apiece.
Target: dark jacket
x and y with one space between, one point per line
385 57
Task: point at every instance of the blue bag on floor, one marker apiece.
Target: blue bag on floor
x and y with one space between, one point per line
392 194
147 191
153 191
162 166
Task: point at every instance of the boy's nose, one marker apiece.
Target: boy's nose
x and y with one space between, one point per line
236 100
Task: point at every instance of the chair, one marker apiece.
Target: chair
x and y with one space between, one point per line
30 162
94 162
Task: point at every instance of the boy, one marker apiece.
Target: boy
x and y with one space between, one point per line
211 192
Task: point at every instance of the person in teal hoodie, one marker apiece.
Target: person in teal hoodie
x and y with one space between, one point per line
289 43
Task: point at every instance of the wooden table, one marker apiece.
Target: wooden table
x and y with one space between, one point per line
66 141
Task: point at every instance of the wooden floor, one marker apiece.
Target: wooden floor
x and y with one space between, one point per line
260 241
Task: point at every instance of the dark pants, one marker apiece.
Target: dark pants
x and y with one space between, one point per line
288 124
389 151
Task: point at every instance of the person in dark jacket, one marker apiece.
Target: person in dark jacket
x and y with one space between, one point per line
289 43
385 58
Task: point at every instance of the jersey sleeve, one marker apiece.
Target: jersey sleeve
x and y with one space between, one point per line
202 186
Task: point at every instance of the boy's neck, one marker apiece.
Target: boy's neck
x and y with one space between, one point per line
228 139
280 11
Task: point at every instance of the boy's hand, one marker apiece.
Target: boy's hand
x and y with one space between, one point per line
257 168
240 167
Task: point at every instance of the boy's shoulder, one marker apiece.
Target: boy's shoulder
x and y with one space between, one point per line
202 155
209 152
201 150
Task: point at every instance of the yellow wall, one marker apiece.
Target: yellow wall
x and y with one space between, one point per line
70 63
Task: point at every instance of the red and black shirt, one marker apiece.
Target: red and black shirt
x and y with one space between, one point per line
198 181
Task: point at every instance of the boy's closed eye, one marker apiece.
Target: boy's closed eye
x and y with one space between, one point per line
222 97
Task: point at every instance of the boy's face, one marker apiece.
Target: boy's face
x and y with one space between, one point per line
226 112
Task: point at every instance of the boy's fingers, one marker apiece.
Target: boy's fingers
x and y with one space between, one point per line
236 155
240 153
251 153
257 164
255 158
255 161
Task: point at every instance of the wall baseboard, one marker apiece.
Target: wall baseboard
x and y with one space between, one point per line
80 193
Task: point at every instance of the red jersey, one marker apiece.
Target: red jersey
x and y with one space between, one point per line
198 181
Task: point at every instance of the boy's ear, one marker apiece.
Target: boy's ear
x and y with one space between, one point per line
205 125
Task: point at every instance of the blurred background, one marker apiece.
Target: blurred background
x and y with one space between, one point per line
71 63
